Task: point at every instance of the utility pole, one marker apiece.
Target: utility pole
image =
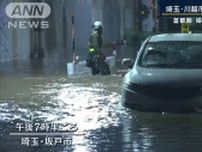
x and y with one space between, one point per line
73 39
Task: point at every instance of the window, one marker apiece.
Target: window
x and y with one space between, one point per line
172 54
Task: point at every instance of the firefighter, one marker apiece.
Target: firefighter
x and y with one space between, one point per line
96 59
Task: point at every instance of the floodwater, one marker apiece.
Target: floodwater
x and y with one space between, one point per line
88 112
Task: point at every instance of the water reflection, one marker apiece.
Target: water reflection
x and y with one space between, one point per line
91 105
85 106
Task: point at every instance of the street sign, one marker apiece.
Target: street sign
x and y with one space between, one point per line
184 28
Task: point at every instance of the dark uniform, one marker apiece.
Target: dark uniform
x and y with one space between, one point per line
95 42
96 59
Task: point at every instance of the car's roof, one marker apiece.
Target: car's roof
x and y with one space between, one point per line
176 37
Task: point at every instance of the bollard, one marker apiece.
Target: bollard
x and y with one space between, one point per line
111 60
114 53
70 69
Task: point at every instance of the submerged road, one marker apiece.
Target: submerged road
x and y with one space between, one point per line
40 113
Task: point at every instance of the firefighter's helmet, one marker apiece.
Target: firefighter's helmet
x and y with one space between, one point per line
97 26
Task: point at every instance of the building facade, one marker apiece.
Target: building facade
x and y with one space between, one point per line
118 17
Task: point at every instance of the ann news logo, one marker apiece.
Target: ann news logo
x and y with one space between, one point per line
25 15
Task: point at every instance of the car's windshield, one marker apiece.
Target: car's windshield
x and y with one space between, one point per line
172 54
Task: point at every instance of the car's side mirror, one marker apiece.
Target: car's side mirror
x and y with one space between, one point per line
128 62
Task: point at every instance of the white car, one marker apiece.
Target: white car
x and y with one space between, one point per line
166 75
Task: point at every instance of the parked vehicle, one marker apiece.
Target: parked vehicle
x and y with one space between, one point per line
166 75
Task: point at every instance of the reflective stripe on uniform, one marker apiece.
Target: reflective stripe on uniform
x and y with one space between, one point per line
91 50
